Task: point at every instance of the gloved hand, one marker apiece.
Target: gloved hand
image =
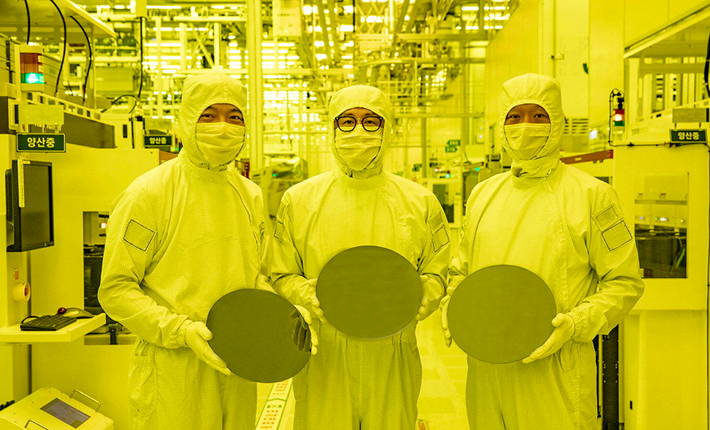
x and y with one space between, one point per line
303 333
445 317
564 329
196 336
422 312
312 301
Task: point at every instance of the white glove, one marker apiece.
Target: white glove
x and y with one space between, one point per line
422 312
445 317
196 336
303 333
564 329
312 301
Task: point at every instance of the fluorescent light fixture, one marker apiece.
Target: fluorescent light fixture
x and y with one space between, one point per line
348 28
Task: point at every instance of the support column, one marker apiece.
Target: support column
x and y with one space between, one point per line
256 94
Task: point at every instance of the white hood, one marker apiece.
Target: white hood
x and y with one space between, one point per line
362 96
540 90
198 93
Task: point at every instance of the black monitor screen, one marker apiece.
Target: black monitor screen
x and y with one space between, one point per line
31 226
66 413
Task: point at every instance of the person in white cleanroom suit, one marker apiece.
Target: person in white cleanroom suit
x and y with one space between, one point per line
180 237
568 228
354 383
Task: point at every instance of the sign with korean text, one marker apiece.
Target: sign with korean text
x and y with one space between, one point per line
451 149
162 140
690 115
689 136
40 142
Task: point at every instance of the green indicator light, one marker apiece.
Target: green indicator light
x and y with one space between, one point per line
32 78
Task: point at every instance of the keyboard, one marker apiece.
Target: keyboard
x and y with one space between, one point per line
46 323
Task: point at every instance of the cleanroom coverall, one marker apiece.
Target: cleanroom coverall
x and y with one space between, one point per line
568 228
354 383
180 237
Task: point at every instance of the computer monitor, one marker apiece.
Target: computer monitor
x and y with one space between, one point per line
29 225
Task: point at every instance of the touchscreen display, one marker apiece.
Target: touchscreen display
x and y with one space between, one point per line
66 413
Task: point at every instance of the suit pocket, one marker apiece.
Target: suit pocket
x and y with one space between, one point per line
143 385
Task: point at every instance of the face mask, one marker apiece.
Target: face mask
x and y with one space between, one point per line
526 140
358 148
219 142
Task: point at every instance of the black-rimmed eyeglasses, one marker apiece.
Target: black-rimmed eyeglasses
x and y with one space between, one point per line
369 123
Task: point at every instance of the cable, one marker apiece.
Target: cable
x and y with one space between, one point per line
64 51
91 55
707 309
29 21
140 85
707 68
135 100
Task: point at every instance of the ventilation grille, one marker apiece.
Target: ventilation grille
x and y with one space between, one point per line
576 126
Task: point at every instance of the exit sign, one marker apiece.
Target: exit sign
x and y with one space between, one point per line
689 136
40 142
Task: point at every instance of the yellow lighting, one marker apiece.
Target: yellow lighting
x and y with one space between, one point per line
467 8
287 44
348 28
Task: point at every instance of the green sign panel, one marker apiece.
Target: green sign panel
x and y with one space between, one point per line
163 140
689 136
40 142
451 149
454 142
